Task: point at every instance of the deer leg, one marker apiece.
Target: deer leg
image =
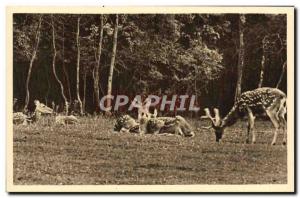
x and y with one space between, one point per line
275 121
283 125
284 130
156 131
248 133
251 119
142 130
178 131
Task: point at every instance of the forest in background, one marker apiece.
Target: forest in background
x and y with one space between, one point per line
68 57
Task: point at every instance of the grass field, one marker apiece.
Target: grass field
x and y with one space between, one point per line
90 153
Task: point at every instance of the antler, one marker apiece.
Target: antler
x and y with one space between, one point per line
215 120
155 113
208 115
207 128
217 117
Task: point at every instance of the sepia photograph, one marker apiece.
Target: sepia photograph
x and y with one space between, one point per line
155 99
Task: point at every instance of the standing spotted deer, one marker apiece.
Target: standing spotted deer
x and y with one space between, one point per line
271 100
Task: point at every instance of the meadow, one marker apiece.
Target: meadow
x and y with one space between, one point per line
91 153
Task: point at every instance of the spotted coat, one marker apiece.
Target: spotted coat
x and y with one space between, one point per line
169 125
257 100
260 98
126 123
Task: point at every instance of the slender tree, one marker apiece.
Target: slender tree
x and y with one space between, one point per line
112 62
176 54
262 70
84 89
54 66
78 66
242 20
282 74
96 68
33 56
64 65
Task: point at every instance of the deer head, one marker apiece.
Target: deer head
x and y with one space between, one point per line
143 109
143 113
216 123
41 108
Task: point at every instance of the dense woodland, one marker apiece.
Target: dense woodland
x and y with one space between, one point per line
65 58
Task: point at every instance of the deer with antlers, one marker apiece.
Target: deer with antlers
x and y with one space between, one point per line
150 123
270 100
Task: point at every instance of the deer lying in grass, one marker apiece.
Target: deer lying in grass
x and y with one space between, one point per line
150 123
41 109
66 119
271 100
21 118
126 123
63 119
165 125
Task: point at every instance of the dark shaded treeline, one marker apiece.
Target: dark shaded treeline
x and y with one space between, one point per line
158 54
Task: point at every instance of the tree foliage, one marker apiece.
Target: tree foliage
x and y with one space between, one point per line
156 54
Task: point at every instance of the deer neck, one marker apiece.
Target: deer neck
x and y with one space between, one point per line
231 117
143 122
37 115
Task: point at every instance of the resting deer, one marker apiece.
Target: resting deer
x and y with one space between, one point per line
165 125
271 100
150 123
41 109
20 117
126 123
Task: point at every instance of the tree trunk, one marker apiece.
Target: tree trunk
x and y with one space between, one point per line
282 74
84 89
64 66
54 68
96 69
48 91
78 66
37 41
242 21
262 71
112 63
261 78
